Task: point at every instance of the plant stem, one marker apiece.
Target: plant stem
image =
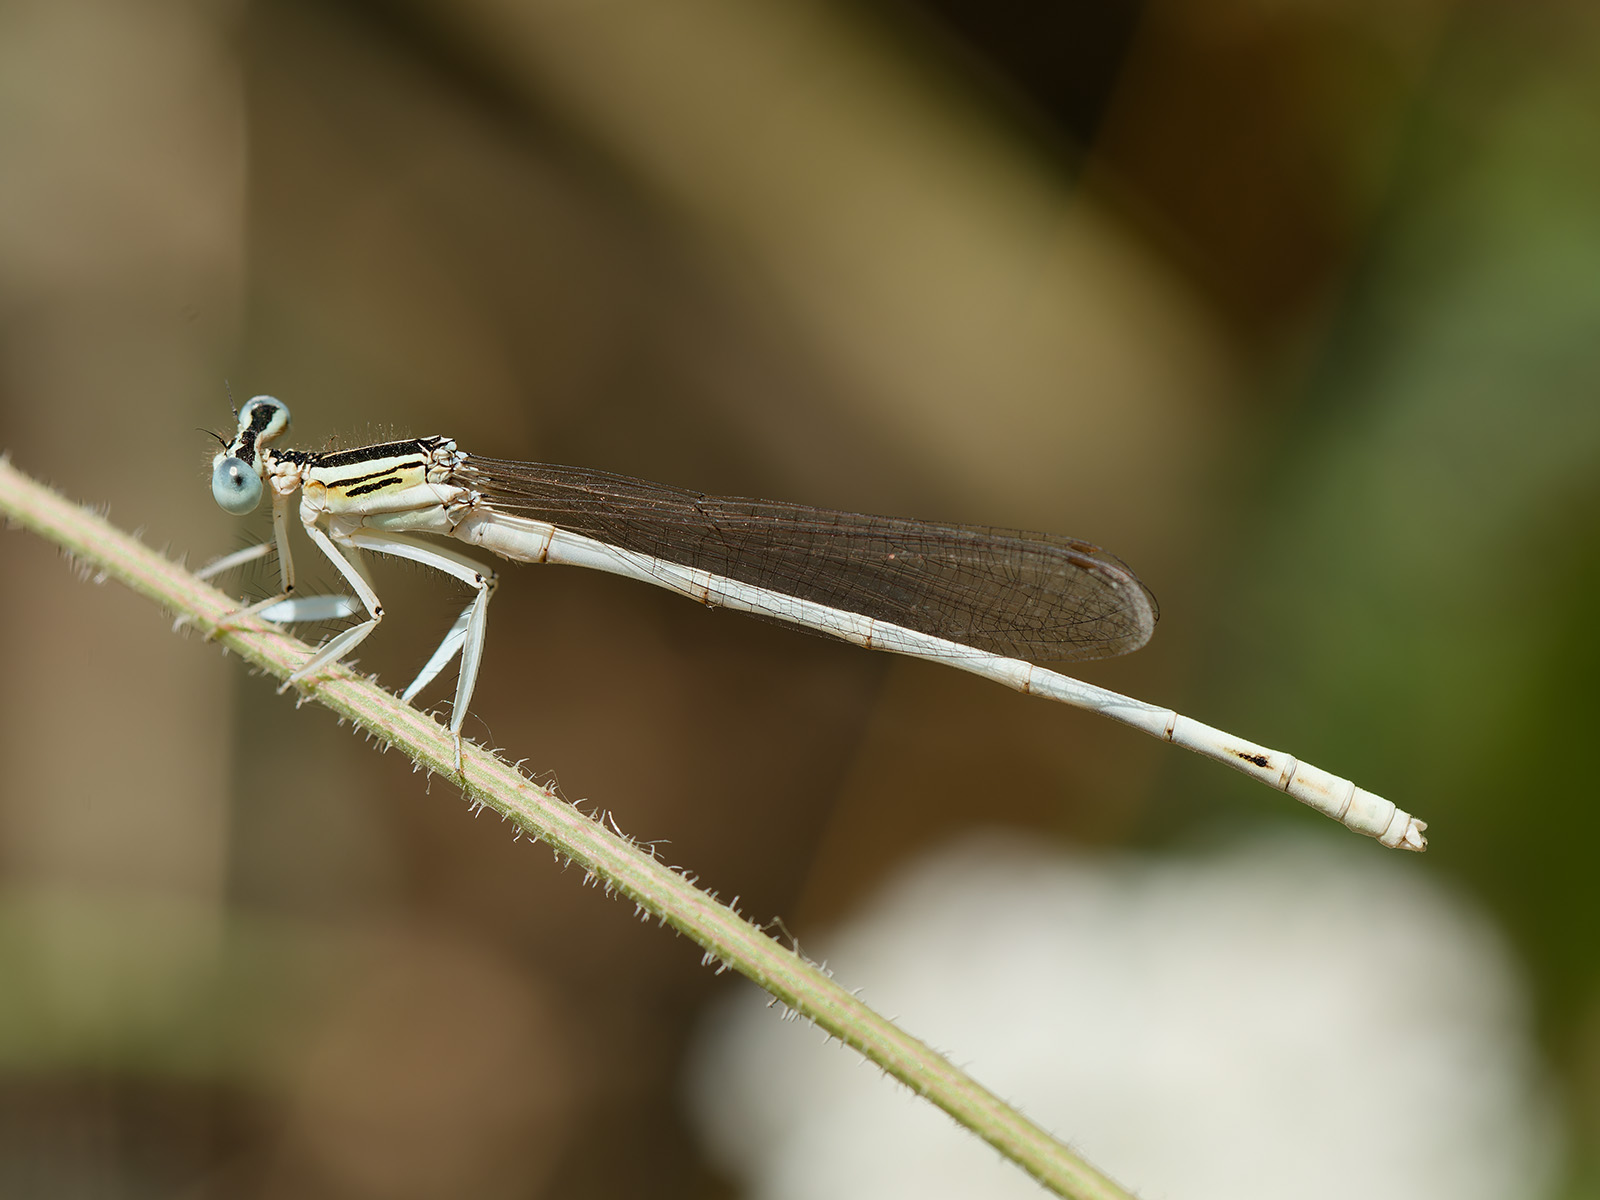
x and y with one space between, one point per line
620 865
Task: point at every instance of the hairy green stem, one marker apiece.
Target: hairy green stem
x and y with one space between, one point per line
621 865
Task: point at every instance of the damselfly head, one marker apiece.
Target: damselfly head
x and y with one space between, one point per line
237 471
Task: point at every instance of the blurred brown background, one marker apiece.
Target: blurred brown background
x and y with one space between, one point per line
1291 305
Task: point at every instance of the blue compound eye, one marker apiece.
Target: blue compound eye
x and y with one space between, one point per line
266 415
235 485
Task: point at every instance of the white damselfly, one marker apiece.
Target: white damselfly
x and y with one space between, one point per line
985 600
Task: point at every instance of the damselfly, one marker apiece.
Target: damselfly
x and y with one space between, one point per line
985 600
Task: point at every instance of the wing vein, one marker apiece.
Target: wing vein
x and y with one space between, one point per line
1024 595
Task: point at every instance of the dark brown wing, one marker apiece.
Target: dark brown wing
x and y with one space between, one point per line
1034 596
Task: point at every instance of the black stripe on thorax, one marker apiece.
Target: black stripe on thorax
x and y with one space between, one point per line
352 485
384 479
361 454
